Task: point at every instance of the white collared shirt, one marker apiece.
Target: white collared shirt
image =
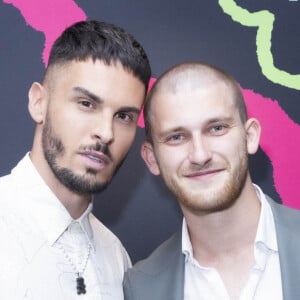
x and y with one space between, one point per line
42 247
264 281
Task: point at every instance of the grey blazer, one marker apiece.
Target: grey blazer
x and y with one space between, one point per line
161 275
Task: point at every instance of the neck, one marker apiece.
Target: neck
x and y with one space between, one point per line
75 203
227 232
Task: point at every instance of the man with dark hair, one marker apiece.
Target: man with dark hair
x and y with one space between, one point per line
235 242
86 111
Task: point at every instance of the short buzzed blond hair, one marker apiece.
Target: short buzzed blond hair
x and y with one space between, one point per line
188 76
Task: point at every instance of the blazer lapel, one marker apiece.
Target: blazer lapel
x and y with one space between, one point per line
176 274
171 277
287 223
160 276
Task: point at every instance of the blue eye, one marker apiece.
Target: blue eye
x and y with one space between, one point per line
218 129
175 138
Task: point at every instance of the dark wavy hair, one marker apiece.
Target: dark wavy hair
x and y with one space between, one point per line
103 41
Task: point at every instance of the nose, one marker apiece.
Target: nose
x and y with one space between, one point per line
199 152
103 129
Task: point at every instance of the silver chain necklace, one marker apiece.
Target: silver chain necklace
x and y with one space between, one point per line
80 284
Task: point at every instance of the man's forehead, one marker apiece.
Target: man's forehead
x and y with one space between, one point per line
193 89
208 103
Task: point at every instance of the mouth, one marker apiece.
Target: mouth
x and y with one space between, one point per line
204 173
95 158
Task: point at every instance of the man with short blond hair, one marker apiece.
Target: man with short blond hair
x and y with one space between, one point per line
235 242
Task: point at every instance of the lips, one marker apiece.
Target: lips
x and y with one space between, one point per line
203 173
96 157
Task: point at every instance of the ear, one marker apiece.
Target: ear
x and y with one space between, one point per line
148 156
253 131
37 104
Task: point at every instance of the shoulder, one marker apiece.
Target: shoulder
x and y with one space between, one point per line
8 194
10 183
12 254
6 183
283 215
109 244
161 258
101 231
159 276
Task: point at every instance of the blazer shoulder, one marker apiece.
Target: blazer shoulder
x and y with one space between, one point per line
163 256
284 215
160 276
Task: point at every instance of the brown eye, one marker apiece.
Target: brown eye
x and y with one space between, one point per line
127 117
86 103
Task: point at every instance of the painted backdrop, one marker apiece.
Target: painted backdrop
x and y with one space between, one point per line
256 41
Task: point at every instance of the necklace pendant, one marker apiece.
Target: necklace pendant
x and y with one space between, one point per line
80 285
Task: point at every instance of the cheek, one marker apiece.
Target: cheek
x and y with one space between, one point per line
73 132
65 123
123 139
170 159
235 153
72 135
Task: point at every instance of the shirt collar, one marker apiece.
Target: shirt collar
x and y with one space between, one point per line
51 217
265 237
265 240
187 248
266 233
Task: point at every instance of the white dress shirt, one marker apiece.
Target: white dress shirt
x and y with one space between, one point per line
43 248
264 281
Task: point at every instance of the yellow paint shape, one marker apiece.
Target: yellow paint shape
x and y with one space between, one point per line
264 21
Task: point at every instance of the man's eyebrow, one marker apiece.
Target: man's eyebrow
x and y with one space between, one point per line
88 93
220 119
98 99
130 109
169 131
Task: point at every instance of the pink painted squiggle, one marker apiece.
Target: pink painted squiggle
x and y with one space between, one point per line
280 140
280 135
50 17
141 118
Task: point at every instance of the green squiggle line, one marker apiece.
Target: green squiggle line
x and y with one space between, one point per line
264 21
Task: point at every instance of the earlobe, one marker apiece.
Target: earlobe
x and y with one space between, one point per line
37 104
253 131
148 156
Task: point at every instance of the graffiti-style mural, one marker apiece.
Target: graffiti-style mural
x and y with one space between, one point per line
238 36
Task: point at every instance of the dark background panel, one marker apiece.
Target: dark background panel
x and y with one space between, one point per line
137 206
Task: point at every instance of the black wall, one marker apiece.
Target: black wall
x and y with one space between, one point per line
136 206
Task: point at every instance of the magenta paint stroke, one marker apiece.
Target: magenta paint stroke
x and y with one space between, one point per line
141 118
49 17
280 140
